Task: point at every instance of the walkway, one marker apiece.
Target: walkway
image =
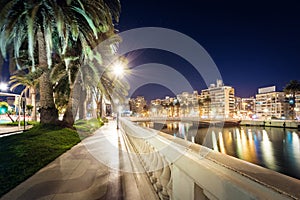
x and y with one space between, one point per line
90 170
7 130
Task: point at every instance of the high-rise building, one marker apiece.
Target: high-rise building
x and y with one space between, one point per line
138 106
219 100
297 106
204 104
188 103
271 104
245 107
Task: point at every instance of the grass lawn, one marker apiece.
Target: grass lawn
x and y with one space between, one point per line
24 154
17 123
87 127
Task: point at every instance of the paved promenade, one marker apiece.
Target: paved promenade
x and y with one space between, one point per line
78 173
7 129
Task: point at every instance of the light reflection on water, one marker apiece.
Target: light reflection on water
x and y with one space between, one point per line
274 148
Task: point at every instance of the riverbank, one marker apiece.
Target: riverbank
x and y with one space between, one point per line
272 123
270 147
202 123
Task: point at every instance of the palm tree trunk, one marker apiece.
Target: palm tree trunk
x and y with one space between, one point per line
49 113
73 104
33 102
293 107
99 106
82 105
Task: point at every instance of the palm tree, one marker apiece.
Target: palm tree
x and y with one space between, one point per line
171 106
207 101
30 81
177 105
200 106
110 88
79 82
75 85
50 27
292 88
183 107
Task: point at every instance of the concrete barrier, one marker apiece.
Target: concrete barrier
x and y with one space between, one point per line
180 169
271 123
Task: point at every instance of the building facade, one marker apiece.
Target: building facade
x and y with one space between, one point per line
245 107
297 106
271 104
188 104
138 106
218 101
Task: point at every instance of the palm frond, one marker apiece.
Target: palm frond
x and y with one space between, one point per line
88 19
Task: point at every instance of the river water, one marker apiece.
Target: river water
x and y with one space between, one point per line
275 148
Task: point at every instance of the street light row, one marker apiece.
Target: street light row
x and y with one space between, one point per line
3 86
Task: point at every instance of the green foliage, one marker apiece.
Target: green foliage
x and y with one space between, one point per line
60 22
34 123
3 108
29 107
292 87
21 78
87 127
104 119
23 155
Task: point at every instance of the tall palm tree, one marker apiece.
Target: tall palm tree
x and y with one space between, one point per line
30 81
171 106
207 101
110 88
50 27
200 107
177 105
75 85
292 88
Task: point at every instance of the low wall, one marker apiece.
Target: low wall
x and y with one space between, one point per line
271 123
179 169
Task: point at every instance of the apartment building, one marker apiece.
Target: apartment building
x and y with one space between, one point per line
218 100
188 103
245 107
297 106
138 105
270 103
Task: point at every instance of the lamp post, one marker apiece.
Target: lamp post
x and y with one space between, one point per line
24 110
118 70
118 120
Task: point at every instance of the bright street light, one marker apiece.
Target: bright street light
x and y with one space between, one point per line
118 69
3 86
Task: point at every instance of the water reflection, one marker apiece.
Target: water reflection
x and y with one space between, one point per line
273 148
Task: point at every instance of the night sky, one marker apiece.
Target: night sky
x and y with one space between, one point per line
253 43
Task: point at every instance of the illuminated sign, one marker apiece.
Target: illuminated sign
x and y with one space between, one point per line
266 89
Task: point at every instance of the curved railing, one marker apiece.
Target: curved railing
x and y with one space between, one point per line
179 169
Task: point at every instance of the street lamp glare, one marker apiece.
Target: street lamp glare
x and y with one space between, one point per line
118 69
3 86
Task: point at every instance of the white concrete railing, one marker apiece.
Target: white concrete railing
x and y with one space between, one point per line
181 170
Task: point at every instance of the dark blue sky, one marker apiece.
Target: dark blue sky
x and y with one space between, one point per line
253 43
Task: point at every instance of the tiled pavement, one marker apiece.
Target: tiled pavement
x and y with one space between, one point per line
90 170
